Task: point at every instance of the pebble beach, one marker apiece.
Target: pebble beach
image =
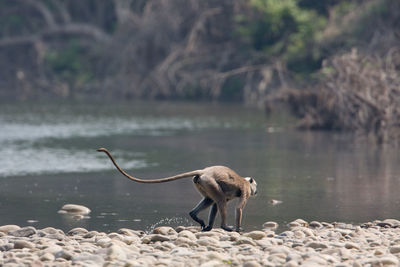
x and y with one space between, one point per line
302 244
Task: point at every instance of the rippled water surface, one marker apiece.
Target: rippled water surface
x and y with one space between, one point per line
48 159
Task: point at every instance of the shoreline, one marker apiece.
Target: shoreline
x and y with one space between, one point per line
314 243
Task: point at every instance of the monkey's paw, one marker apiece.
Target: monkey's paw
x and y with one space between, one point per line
227 228
206 229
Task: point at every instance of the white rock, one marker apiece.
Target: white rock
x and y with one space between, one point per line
213 263
115 252
245 240
8 228
47 257
187 234
164 230
208 241
75 209
291 263
255 235
270 225
183 241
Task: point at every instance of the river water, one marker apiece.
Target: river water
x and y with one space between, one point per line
48 159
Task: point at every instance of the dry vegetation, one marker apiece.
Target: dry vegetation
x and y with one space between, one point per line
360 94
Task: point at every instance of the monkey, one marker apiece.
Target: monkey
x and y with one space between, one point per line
217 185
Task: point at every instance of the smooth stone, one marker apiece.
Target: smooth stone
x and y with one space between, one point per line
20 244
64 254
390 223
23 232
187 234
180 251
87 258
394 249
270 225
315 224
115 236
213 234
102 241
251 264
164 230
47 257
53 249
297 223
245 240
184 241
383 261
208 241
52 230
291 263
154 238
255 235
316 245
212 263
115 252
75 209
57 236
351 245
7 247
78 231
180 228
280 250
129 232
9 228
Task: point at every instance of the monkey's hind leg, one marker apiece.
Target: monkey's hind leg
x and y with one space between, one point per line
211 218
205 203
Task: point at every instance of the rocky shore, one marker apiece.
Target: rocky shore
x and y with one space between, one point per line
308 244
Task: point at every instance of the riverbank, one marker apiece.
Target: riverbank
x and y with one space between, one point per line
309 244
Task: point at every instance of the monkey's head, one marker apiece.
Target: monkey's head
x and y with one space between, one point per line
253 185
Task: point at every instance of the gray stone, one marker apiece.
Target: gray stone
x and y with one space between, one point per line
316 245
78 231
7 247
20 244
245 240
64 254
315 224
23 232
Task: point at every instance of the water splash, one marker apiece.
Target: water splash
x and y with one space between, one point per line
173 221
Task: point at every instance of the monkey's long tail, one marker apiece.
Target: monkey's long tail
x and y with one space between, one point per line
152 181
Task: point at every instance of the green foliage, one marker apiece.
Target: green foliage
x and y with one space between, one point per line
69 64
283 29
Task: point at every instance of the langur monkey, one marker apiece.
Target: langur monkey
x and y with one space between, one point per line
217 184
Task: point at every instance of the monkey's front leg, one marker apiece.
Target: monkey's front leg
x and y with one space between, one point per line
239 212
238 220
222 211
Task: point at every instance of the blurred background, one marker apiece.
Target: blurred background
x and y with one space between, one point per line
303 95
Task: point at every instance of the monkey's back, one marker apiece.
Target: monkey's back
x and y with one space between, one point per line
230 182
